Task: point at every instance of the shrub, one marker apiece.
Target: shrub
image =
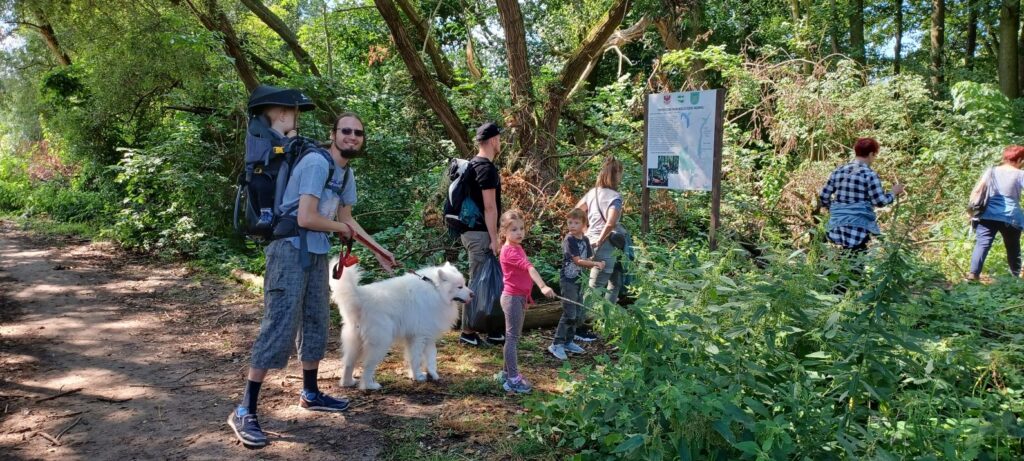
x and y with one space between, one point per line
723 360
174 198
61 202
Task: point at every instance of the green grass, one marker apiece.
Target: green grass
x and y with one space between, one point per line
403 442
481 385
46 227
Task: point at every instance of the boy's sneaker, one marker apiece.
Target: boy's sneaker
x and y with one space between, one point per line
520 386
318 401
247 428
497 340
574 348
266 218
500 377
558 351
585 336
471 339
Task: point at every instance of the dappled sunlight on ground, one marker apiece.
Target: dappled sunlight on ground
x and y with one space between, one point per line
155 356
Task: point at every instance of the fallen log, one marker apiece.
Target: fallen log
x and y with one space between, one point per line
247 278
544 315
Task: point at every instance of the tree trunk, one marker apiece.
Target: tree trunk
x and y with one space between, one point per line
898 47
421 78
833 29
50 37
1009 26
521 80
938 42
1020 61
797 15
665 28
857 32
277 25
581 60
972 34
442 67
214 20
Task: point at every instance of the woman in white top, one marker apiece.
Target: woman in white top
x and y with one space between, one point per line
603 205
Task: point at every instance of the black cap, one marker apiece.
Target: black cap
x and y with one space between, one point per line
487 131
265 96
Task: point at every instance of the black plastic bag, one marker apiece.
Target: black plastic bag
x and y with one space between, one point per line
484 312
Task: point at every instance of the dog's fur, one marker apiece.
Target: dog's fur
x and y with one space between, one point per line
404 309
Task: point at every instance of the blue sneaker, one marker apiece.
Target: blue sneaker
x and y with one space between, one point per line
318 401
574 348
266 218
247 428
519 386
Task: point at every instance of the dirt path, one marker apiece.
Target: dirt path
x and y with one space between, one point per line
159 354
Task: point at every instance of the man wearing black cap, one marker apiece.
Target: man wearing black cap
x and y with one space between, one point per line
485 191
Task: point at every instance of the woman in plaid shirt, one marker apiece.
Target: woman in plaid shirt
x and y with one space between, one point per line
851 194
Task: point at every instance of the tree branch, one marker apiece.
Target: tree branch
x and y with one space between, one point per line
426 85
581 60
214 20
277 25
442 66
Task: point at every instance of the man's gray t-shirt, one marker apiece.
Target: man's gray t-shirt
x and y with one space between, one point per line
308 178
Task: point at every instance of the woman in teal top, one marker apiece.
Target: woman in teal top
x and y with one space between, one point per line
1003 213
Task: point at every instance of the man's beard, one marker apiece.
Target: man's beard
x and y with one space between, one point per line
350 153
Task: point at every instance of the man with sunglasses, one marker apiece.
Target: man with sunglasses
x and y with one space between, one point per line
296 293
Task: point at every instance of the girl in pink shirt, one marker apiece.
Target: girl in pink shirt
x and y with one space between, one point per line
519 277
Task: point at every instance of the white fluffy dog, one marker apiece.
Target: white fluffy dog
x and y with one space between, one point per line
412 309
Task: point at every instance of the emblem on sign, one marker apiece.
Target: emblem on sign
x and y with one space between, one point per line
694 97
666 98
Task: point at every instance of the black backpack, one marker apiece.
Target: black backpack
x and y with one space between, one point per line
461 213
269 160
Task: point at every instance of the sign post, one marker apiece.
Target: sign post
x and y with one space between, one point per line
683 148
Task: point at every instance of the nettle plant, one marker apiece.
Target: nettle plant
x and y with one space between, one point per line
728 360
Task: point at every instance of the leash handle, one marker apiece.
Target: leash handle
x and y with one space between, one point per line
345 259
376 249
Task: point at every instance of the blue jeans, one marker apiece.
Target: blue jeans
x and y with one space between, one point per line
986 230
609 279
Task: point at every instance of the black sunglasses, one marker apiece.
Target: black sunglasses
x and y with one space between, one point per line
349 131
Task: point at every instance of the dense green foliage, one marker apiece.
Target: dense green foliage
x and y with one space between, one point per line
130 121
728 360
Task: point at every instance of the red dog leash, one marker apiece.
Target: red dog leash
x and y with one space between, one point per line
346 259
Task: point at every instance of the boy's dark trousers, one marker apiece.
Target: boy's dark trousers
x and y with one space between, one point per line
573 312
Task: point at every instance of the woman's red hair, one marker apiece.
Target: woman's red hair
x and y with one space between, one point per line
1013 154
865 147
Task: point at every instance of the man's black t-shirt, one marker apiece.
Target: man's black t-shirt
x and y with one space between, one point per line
485 176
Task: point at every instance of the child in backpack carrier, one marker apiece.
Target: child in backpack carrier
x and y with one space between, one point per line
263 186
519 276
576 254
